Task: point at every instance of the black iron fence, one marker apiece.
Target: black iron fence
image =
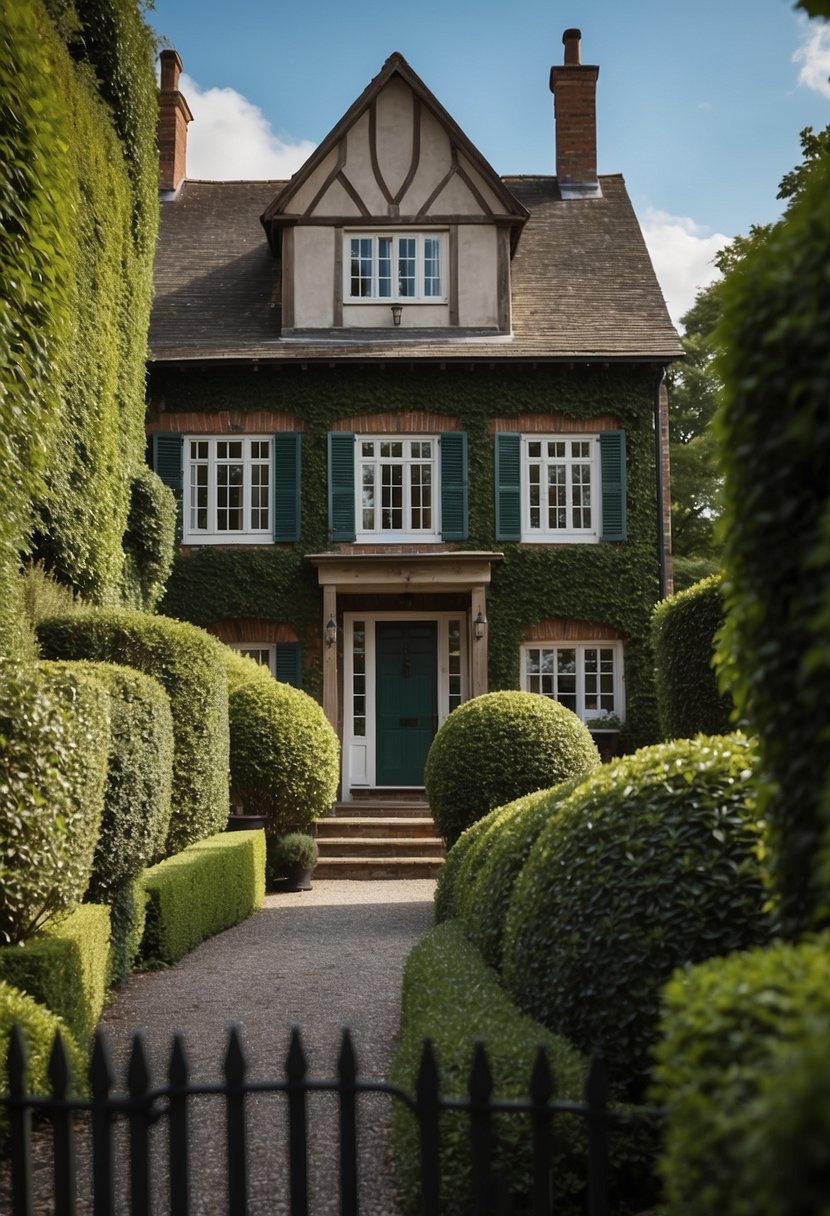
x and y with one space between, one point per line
144 1107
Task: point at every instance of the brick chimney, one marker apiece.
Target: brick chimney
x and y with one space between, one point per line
174 115
574 88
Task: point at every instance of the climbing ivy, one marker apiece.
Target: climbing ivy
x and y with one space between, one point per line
606 583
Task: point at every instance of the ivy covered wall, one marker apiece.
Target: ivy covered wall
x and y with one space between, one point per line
79 212
610 584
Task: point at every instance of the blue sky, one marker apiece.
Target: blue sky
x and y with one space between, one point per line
698 105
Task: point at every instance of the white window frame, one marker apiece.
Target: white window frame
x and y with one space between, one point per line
596 717
572 490
384 288
407 463
268 649
211 492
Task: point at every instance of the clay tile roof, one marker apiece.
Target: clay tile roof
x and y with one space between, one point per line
583 286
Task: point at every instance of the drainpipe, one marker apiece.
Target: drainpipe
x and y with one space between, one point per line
658 456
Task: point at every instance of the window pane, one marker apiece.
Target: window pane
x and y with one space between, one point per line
385 267
432 266
361 266
406 266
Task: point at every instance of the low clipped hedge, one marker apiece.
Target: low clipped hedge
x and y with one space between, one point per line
497 747
649 864
683 636
54 742
490 868
284 754
446 886
187 663
743 1067
452 997
204 889
39 1027
65 967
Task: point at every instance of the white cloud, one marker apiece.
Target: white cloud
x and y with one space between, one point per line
682 253
230 139
814 57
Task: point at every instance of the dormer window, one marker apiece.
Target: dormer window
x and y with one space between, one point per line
395 267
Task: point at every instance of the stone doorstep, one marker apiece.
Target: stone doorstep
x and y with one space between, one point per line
396 825
376 809
360 846
366 868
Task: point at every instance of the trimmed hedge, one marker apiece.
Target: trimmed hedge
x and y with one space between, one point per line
65 968
491 867
204 889
773 430
187 663
744 1068
497 747
39 1027
128 917
284 754
683 633
649 864
446 886
453 998
54 743
149 541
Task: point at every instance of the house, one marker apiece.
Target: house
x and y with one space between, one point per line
414 412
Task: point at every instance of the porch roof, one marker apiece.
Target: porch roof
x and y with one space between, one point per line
459 570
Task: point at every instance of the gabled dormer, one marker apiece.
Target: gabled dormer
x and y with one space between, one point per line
396 223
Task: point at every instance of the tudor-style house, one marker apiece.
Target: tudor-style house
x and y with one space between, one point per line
414 412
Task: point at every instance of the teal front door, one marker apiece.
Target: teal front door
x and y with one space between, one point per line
406 698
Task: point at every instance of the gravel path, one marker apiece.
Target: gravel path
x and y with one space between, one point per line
320 959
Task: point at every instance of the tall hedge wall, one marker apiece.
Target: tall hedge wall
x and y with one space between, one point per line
609 583
683 634
774 435
77 129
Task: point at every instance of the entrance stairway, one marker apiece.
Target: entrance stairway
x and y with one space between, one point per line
384 835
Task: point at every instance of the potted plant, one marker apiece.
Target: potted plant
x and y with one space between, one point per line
290 860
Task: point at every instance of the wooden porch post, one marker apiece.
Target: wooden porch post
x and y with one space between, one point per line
478 649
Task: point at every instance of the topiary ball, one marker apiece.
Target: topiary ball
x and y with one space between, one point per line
284 754
444 903
650 864
497 747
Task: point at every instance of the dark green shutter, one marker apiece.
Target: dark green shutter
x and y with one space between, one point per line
612 462
290 663
454 486
341 485
168 454
287 486
508 486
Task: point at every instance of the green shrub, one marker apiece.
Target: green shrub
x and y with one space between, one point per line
54 741
649 864
187 663
495 748
683 635
489 870
445 888
285 853
65 967
773 430
39 1027
742 1067
453 998
149 541
285 757
204 889
128 914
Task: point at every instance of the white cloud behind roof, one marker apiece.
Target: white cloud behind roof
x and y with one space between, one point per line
682 253
814 57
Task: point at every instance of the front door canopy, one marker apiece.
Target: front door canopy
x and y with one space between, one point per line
384 572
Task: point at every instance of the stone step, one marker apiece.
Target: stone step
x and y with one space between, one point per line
361 846
359 809
386 826
366 868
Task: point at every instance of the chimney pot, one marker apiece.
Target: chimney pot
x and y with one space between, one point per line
571 39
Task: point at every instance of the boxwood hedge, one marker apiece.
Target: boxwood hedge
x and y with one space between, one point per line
497 747
743 1067
284 754
54 743
187 662
445 888
683 635
649 864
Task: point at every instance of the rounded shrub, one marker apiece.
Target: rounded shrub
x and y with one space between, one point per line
284 754
285 853
649 864
489 870
495 748
187 662
38 1026
54 743
446 886
683 635
149 541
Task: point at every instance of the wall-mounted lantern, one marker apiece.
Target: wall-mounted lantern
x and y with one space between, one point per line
331 631
397 311
479 626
